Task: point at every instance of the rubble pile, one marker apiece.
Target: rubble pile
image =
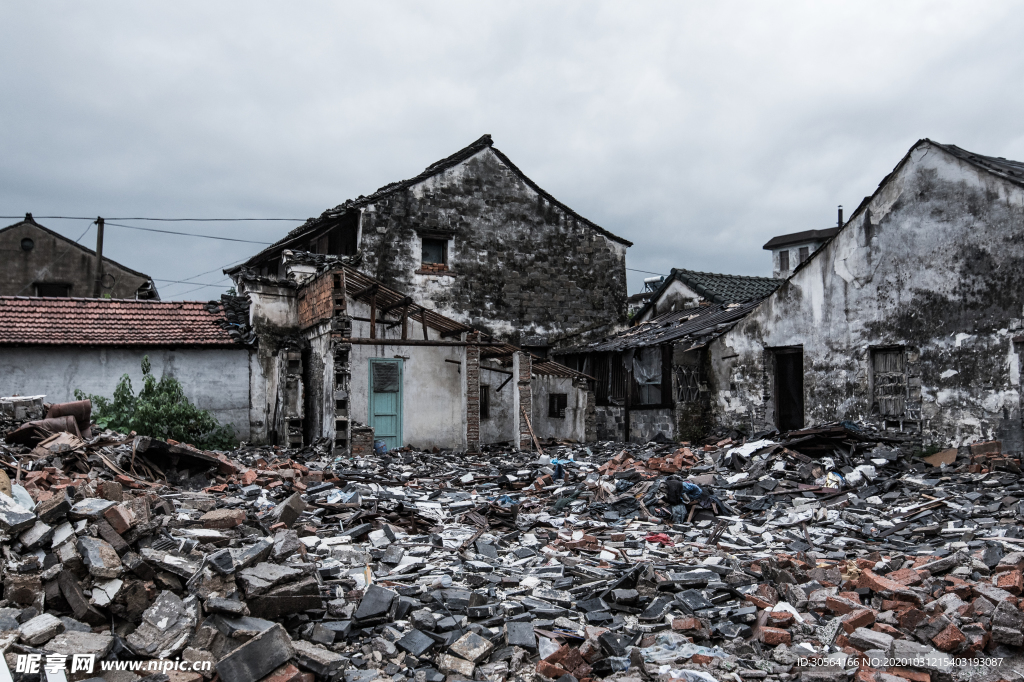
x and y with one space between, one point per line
813 556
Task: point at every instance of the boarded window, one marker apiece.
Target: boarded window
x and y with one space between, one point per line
804 252
385 377
435 252
557 402
485 401
783 261
889 380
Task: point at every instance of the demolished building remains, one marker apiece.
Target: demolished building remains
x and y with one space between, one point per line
475 239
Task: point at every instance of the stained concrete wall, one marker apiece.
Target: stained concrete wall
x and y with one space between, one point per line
518 265
500 427
214 379
573 426
55 260
433 391
933 262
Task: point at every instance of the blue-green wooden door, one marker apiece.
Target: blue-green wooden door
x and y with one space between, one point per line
386 401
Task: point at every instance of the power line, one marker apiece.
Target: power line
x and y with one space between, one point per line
185 234
183 281
188 291
635 270
169 220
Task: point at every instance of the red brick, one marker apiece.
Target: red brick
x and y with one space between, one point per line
550 670
840 605
222 518
120 518
905 576
775 636
286 673
911 618
1011 581
249 477
780 618
949 639
861 618
887 629
701 659
688 623
866 675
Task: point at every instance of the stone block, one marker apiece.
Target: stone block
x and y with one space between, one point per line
258 657
41 629
222 518
100 558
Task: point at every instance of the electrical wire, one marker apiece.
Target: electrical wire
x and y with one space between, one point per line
186 234
647 272
181 281
187 291
169 220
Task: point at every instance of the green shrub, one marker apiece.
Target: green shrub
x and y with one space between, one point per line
161 410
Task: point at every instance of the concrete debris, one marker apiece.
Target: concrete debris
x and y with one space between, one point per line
775 558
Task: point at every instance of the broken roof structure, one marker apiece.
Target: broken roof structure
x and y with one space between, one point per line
687 288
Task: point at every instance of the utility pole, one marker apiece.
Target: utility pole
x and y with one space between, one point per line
99 258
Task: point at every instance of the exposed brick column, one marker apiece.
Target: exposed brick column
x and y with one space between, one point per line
473 394
525 399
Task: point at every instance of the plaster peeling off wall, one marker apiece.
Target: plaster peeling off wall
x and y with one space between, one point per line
933 264
517 263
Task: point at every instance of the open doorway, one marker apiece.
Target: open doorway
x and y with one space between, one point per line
789 388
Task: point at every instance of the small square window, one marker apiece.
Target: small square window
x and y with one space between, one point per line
53 289
435 251
557 403
485 402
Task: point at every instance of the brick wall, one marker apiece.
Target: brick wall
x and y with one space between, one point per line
525 399
317 299
473 394
362 441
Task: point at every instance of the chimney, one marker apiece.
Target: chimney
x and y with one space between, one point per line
840 223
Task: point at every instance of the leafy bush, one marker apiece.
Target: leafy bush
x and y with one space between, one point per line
161 410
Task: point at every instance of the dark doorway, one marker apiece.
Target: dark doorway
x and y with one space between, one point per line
789 388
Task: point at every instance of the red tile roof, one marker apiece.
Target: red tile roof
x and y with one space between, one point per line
109 322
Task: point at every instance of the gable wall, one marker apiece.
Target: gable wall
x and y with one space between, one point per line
940 270
54 260
519 264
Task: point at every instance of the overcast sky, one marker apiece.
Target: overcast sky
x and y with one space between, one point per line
696 130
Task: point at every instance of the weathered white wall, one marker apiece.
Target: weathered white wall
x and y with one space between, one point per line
433 391
934 262
501 426
573 427
214 379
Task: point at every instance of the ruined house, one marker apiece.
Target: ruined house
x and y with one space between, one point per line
651 380
909 317
53 346
683 289
474 239
40 262
338 355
